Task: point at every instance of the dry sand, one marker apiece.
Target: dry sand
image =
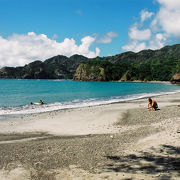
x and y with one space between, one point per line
116 141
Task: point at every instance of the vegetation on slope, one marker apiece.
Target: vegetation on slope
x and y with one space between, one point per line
147 65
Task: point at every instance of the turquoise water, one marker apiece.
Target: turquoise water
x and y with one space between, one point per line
16 95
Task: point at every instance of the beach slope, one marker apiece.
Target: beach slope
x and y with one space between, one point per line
115 141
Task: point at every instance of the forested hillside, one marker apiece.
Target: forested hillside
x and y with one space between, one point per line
146 65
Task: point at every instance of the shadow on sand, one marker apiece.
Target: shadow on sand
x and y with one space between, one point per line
164 161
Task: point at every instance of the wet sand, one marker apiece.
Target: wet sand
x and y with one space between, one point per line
116 141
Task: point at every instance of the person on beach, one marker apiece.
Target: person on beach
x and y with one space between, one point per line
152 104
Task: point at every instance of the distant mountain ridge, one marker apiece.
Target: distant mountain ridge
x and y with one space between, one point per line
165 52
57 67
145 65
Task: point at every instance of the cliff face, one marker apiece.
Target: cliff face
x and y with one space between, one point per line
89 73
176 79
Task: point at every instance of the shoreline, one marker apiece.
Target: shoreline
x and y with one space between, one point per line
114 141
96 104
30 122
139 81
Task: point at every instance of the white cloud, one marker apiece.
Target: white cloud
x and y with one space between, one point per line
170 4
107 38
156 42
20 49
146 15
140 35
84 47
164 26
134 46
168 17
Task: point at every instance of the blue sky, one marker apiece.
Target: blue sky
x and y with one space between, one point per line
39 29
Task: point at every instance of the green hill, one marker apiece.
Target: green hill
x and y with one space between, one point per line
58 67
146 65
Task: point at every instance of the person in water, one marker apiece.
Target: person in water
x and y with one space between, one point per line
41 102
152 104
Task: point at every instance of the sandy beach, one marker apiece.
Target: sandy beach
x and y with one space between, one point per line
115 141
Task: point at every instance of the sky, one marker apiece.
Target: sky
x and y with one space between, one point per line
39 29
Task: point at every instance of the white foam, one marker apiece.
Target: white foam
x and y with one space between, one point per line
77 103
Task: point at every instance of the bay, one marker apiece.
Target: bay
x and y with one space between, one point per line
16 94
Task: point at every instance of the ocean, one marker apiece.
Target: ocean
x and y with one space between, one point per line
16 94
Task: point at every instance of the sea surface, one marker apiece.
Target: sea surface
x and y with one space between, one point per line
16 95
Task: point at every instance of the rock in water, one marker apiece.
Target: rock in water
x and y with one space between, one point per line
176 79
